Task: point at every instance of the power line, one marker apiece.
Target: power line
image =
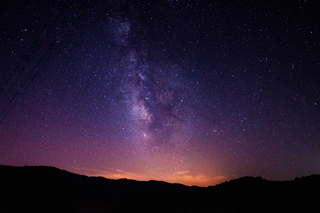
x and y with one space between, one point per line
13 91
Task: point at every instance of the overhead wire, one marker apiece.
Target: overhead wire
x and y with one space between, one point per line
16 90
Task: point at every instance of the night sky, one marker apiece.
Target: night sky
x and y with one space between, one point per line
180 91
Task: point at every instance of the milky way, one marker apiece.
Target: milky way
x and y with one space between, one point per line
156 97
179 91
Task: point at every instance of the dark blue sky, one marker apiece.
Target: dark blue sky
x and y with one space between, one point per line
180 91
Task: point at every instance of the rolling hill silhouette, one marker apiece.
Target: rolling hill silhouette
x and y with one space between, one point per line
48 189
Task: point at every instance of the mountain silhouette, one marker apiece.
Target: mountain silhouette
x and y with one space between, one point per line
48 189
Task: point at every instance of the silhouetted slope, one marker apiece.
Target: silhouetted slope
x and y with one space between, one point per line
251 194
47 189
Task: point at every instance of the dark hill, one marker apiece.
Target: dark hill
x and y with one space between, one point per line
48 189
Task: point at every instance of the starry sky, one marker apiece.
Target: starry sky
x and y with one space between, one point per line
192 92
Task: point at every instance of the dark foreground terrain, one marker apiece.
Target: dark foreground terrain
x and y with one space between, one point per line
48 189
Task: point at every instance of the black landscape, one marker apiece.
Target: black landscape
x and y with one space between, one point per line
48 189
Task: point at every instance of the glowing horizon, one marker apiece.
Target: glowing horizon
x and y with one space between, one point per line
187 92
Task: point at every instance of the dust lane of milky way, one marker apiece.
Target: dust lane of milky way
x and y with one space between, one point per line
181 91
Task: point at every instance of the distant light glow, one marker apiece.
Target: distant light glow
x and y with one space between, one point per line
180 92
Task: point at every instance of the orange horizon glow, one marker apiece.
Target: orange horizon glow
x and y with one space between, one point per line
180 177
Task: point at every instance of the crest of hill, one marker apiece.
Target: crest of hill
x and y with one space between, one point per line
48 189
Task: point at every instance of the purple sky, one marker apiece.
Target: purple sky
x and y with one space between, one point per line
180 91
